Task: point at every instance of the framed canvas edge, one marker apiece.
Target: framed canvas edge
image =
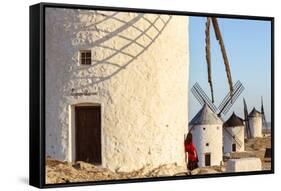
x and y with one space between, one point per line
36 135
37 88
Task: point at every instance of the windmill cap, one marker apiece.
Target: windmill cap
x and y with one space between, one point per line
254 113
233 121
205 116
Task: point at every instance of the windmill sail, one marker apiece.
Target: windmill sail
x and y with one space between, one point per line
223 51
202 97
226 103
247 126
229 99
264 124
208 56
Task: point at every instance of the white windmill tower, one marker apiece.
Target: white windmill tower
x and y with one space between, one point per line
206 128
233 136
109 79
255 123
212 117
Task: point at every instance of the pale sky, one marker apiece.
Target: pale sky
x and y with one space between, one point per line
248 46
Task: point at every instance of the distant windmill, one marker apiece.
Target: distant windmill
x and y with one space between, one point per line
254 121
233 139
225 105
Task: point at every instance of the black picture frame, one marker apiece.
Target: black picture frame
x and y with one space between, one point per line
37 93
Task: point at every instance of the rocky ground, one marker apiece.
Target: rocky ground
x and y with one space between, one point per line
64 172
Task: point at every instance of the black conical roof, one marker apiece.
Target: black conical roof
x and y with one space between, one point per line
233 121
255 113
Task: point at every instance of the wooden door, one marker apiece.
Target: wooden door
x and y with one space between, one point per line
88 134
208 159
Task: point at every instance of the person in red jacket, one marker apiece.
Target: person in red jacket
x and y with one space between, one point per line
192 154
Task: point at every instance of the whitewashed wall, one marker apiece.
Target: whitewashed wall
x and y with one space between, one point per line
255 126
212 135
243 165
238 132
142 88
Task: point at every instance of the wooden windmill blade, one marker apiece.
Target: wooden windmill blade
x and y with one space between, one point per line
202 97
233 95
208 56
264 123
223 51
247 126
230 98
262 110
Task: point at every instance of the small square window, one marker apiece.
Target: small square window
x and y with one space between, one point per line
85 57
207 144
